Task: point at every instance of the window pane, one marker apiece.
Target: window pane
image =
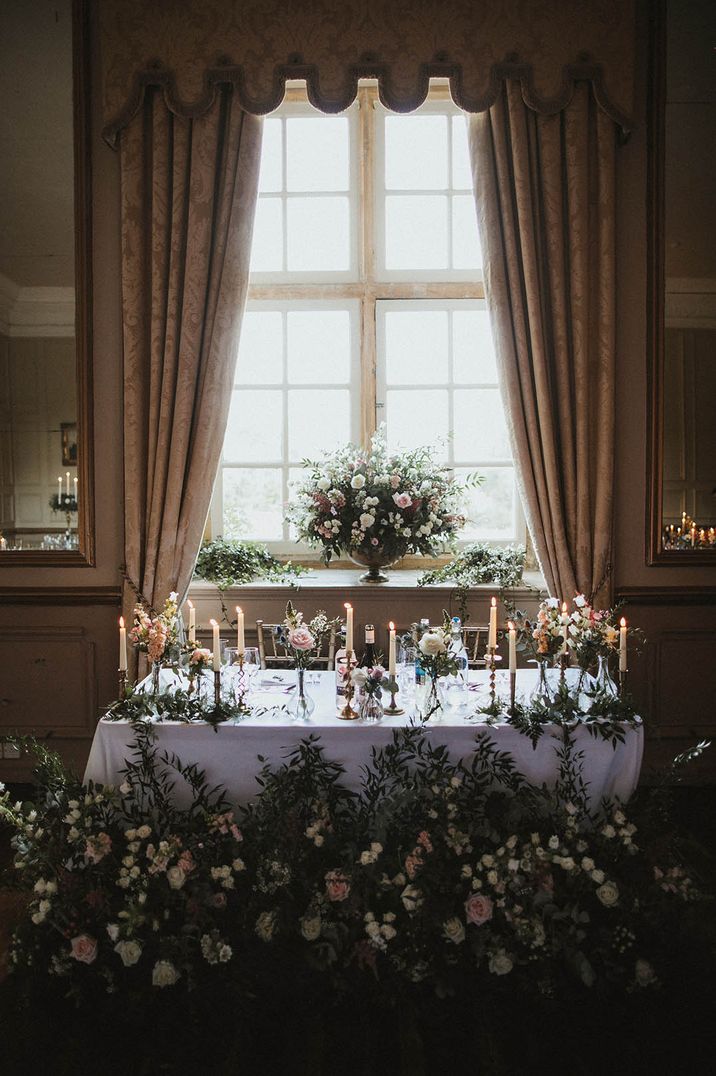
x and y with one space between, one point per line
473 349
466 250
318 234
267 246
416 346
253 503
254 430
416 232
490 507
416 152
260 359
417 417
317 422
480 430
461 172
317 154
319 344
270 176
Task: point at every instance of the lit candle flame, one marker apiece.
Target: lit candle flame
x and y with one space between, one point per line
190 603
623 622
121 622
238 608
510 625
494 602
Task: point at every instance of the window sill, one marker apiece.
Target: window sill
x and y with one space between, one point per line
347 579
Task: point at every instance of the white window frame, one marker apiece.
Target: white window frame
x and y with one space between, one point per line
369 286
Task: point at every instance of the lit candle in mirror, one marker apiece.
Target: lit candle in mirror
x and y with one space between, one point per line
565 623
349 629
512 636
122 646
75 485
67 483
192 622
623 645
391 651
492 636
59 489
240 644
216 645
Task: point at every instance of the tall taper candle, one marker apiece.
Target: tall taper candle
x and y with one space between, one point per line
122 646
349 628
217 645
565 625
623 645
59 490
192 622
391 651
512 636
492 636
240 643
74 480
67 483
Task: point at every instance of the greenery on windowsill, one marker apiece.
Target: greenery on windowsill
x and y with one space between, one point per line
229 563
477 564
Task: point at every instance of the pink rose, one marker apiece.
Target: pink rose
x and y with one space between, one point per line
394 481
478 909
337 886
300 638
97 847
424 840
84 948
403 500
200 655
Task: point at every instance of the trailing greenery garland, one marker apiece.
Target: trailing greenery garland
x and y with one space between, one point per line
450 876
479 563
229 563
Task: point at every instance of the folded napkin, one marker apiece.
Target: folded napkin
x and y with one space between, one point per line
275 686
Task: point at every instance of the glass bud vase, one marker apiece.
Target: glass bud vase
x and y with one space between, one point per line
156 672
432 709
605 683
371 709
542 693
302 705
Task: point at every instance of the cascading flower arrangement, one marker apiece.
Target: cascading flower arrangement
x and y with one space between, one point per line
377 505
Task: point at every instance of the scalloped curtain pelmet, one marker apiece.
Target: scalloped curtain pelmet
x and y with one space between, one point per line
545 194
188 196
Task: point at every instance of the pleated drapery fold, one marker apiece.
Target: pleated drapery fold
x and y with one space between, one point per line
189 190
545 195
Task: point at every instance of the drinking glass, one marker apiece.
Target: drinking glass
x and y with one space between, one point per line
405 672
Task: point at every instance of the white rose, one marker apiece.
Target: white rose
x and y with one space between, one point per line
500 963
143 832
388 931
587 864
311 927
433 643
130 952
412 898
358 481
324 483
367 519
113 931
358 677
265 925
608 894
580 601
176 877
454 931
164 974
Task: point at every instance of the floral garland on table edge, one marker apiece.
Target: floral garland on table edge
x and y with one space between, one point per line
374 501
449 875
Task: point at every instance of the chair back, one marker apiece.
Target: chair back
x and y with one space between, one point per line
275 656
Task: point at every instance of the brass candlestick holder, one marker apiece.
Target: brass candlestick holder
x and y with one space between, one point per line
393 710
122 677
622 682
217 688
492 660
513 690
241 688
348 713
563 658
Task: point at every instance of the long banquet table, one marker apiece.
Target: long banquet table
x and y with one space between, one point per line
230 756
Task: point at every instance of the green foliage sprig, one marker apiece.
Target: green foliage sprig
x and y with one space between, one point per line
229 563
141 707
476 564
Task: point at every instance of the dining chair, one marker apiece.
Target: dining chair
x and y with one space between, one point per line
275 656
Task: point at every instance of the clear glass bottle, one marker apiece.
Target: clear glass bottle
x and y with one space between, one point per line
456 689
423 626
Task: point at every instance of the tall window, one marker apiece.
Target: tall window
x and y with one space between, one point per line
366 306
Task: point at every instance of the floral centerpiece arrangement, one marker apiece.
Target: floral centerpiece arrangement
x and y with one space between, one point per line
377 506
369 685
157 636
302 642
437 662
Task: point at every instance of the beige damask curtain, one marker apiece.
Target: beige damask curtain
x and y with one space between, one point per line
189 190
544 186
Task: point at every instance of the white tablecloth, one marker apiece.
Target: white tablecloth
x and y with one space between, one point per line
230 755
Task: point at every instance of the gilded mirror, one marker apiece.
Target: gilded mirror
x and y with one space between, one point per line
682 474
45 390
